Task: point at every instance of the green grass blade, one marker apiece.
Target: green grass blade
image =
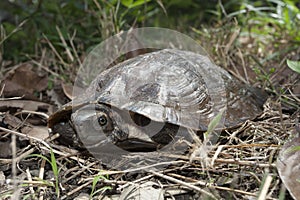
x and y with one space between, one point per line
214 123
294 65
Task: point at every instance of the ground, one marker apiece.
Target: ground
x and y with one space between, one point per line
242 165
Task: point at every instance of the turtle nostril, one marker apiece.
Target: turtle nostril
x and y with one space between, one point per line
140 120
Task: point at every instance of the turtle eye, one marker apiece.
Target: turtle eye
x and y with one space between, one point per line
102 120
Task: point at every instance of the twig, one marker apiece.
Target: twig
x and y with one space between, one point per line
154 165
11 98
184 184
247 163
33 112
64 44
18 28
26 136
46 68
14 161
20 157
54 50
294 96
29 177
77 173
265 188
77 189
64 154
74 49
41 176
135 181
202 183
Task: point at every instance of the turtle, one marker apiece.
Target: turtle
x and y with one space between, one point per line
140 103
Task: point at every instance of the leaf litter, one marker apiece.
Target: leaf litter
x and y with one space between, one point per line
241 166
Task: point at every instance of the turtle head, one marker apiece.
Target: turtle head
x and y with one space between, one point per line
101 124
85 125
96 125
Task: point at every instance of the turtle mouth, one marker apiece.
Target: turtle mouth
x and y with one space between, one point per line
96 139
136 145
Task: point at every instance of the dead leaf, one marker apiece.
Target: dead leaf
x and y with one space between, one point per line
288 166
26 105
57 95
5 149
143 191
82 196
40 132
11 121
61 93
24 80
69 88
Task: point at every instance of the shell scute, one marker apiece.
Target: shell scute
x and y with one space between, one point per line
178 87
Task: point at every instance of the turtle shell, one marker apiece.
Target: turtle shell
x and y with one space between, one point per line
172 86
178 87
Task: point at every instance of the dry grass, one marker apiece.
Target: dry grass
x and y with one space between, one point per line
241 166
